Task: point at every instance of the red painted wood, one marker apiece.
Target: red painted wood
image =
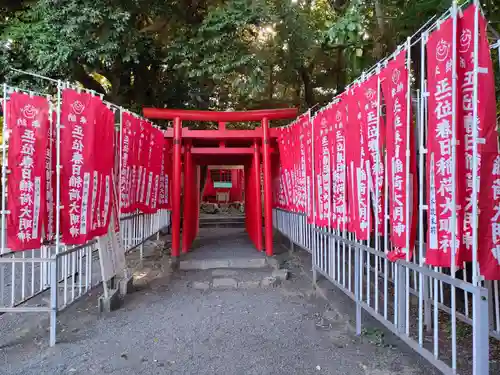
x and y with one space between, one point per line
222 150
233 152
222 134
176 190
193 115
188 200
268 193
257 195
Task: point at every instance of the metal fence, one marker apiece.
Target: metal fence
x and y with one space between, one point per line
46 281
409 298
52 277
450 316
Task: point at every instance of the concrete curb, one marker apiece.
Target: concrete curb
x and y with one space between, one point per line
112 303
126 286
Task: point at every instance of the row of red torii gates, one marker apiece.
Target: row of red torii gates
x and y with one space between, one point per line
193 148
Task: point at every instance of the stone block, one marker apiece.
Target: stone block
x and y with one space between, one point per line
187 265
214 263
225 283
273 262
111 303
281 274
269 282
174 263
200 285
247 263
224 273
126 285
249 284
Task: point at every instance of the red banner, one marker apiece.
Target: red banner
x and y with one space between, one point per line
373 142
488 152
28 121
135 163
287 160
127 162
298 180
51 180
306 158
440 169
338 115
292 171
143 154
398 135
465 89
158 141
102 195
357 178
352 152
294 152
281 197
322 171
78 114
148 180
166 173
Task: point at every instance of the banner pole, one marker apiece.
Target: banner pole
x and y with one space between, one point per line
453 226
379 209
377 170
4 172
475 164
407 183
480 316
58 167
422 206
312 197
120 163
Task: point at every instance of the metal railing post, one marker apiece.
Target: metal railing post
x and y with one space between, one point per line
53 300
357 288
480 334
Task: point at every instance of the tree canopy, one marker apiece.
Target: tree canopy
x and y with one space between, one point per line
209 54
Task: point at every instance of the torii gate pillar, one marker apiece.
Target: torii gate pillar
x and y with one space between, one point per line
199 153
176 189
268 200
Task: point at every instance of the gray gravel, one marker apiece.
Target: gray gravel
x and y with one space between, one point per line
171 327
174 329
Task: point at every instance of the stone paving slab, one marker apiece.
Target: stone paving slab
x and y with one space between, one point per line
207 264
223 243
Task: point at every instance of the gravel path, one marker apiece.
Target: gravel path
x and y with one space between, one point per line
170 327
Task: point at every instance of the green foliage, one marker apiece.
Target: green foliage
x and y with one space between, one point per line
208 54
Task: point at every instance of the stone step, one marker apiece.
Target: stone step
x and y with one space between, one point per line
207 264
229 283
222 225
223 278
224 218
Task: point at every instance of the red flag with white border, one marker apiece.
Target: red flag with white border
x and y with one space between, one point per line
78 112
373 142
488 152
27 120
395 90
322 171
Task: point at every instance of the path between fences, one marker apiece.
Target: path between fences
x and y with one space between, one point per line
190 323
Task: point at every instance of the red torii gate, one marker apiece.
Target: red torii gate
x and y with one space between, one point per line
221 146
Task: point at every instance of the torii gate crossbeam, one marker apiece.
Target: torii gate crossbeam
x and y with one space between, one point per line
228 146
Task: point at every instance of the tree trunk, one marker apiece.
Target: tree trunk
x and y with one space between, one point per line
81 75
308 87
384 33
341 73
271 83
